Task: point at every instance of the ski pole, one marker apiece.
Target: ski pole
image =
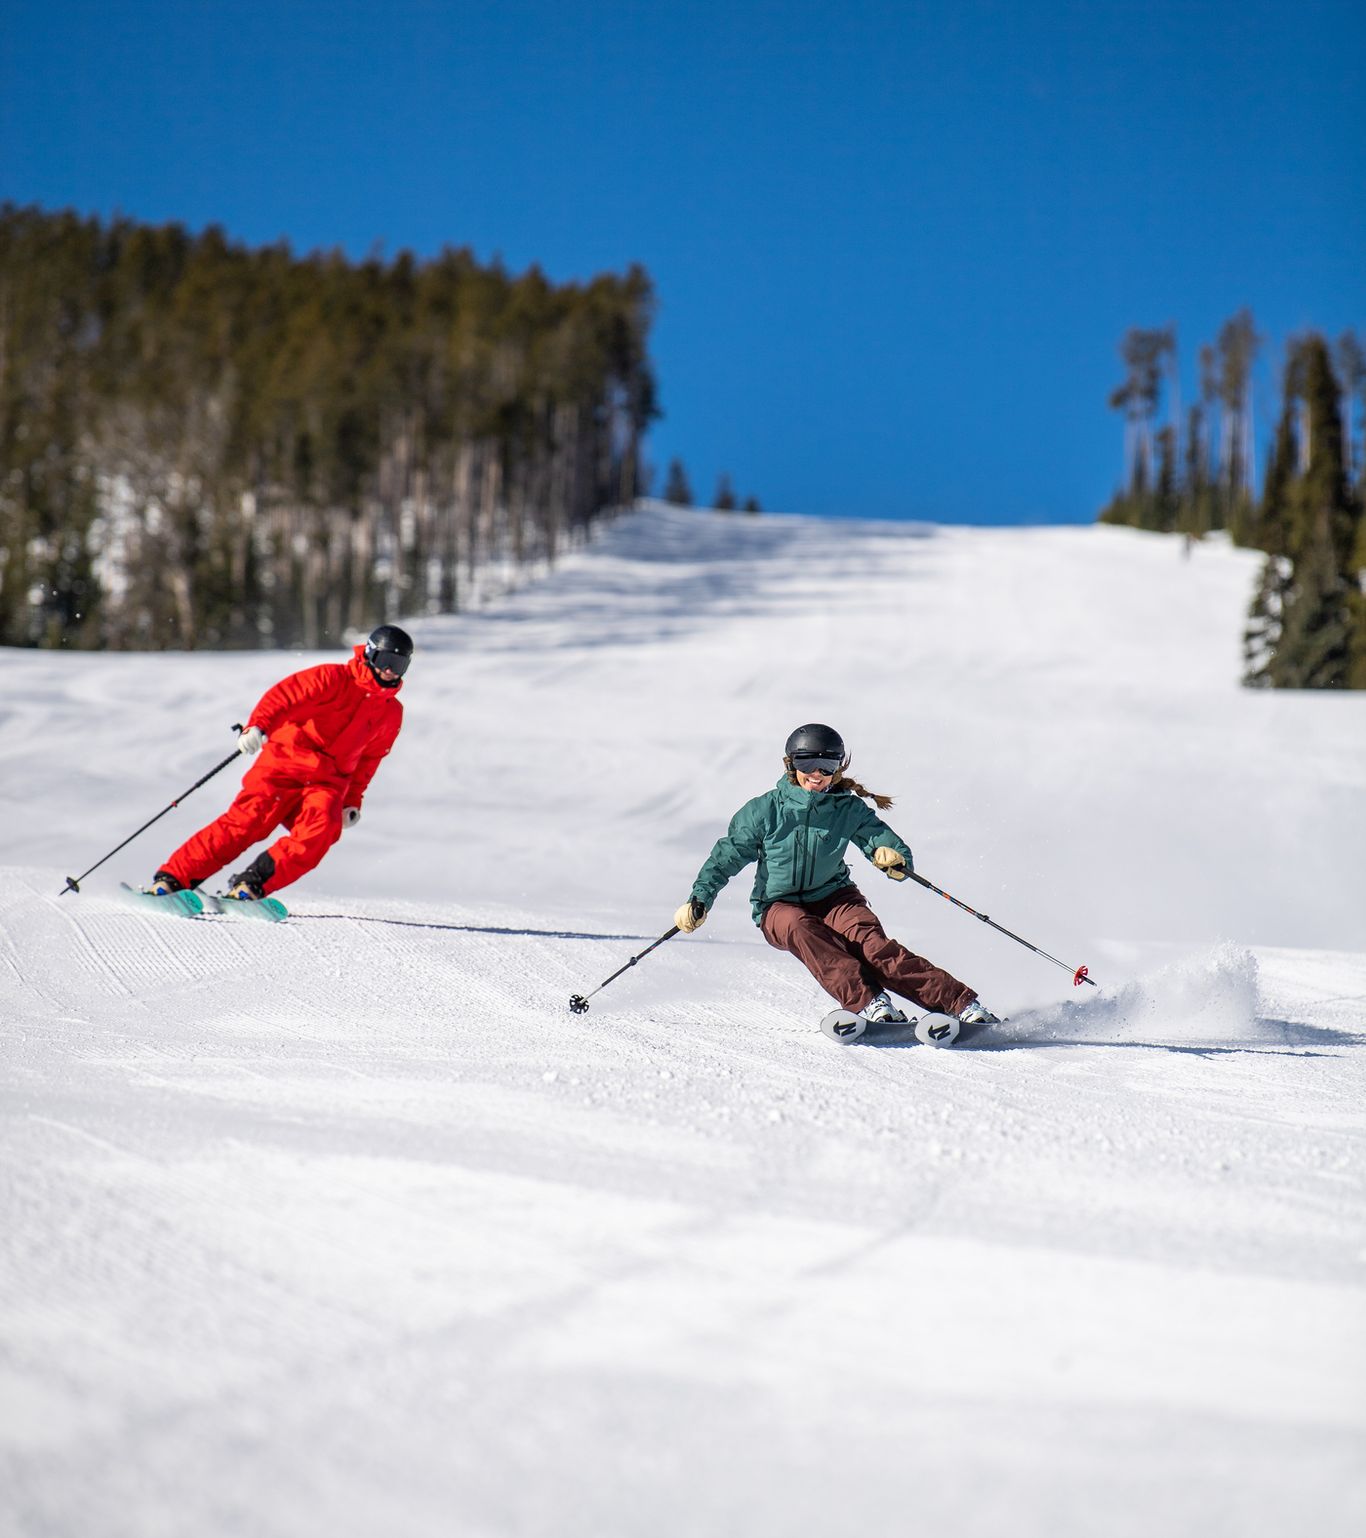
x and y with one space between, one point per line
1080 975
578 1003
73 883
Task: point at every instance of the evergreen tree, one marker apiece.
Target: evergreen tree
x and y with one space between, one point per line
1236 353
1262 634
1195 509
1319 528
676 487
1356 666
724 500
1204 470
1163 506
1148 497
1350 359
752 505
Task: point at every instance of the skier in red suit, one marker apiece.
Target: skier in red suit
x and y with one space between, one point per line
320 735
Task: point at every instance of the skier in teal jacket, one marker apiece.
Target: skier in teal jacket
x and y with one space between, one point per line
803 898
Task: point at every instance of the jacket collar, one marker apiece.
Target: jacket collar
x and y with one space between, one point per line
804 798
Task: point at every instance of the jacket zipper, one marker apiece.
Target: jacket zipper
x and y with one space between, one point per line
806 850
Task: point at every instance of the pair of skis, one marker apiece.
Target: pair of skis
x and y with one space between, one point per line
194 905
932 1030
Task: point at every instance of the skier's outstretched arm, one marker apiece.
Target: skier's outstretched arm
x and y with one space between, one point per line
730 854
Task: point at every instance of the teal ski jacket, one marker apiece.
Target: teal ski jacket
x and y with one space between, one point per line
799 838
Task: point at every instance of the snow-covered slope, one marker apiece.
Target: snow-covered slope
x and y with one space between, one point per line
348 1226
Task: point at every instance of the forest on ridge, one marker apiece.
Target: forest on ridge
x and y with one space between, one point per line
205 445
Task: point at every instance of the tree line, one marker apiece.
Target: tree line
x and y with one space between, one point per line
1193 471
205 445
678 491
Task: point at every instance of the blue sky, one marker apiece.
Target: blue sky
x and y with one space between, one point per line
895 246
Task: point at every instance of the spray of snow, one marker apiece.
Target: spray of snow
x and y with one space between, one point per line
1207 999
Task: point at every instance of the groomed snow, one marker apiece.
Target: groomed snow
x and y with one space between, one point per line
349 1227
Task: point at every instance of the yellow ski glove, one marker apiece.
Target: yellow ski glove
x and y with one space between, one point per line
891 862
692 915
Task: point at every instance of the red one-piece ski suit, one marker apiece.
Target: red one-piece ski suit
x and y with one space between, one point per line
326 730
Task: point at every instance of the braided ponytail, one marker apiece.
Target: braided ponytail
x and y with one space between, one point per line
881 802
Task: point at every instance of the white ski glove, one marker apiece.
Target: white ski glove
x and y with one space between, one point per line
891 862
692 915
250 741
350 816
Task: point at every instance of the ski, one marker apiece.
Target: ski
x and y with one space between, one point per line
183 904
269 909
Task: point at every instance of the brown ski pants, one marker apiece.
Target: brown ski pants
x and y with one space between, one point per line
843 946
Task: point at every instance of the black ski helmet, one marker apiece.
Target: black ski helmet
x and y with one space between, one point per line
816 747
391 648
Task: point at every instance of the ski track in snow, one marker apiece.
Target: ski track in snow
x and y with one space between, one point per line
348 1225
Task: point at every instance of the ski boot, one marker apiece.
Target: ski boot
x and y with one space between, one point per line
946 1030
249 885
977 1014
881 1011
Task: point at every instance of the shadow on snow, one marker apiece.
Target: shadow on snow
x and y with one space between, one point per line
469 929
1301 1040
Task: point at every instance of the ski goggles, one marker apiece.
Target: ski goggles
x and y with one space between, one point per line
389 662
806 764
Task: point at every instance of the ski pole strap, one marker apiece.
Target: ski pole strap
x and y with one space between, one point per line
1080 975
